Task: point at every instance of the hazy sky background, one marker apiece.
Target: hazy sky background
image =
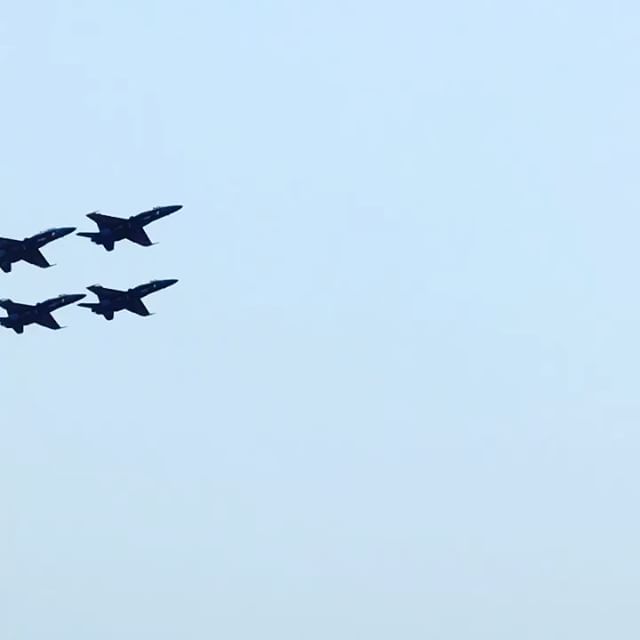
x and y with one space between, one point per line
395 393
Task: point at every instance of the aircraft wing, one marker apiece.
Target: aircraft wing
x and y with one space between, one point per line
105 222
8 243
103 292
140 237
14 307
48 321
137 306
36 258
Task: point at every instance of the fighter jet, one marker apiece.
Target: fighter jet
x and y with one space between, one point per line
29 249
111 301
112 229
21 315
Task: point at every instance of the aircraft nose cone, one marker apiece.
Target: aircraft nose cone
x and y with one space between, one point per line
163 284
171 208
76 297
65 231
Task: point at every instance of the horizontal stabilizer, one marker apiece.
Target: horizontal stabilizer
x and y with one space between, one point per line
9 243
14 307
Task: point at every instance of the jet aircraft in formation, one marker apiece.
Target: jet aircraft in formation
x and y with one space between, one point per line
110 301
29 249
21 315
112 229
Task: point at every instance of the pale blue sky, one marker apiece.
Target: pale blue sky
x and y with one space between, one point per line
395 393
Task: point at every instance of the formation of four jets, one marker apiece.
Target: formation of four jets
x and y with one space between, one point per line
110 230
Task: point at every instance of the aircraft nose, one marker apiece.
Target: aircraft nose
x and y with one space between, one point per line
76 297
171 208
167 283
65 231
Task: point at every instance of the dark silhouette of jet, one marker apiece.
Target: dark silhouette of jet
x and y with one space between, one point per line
29 249
110 301
112 229
21 315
